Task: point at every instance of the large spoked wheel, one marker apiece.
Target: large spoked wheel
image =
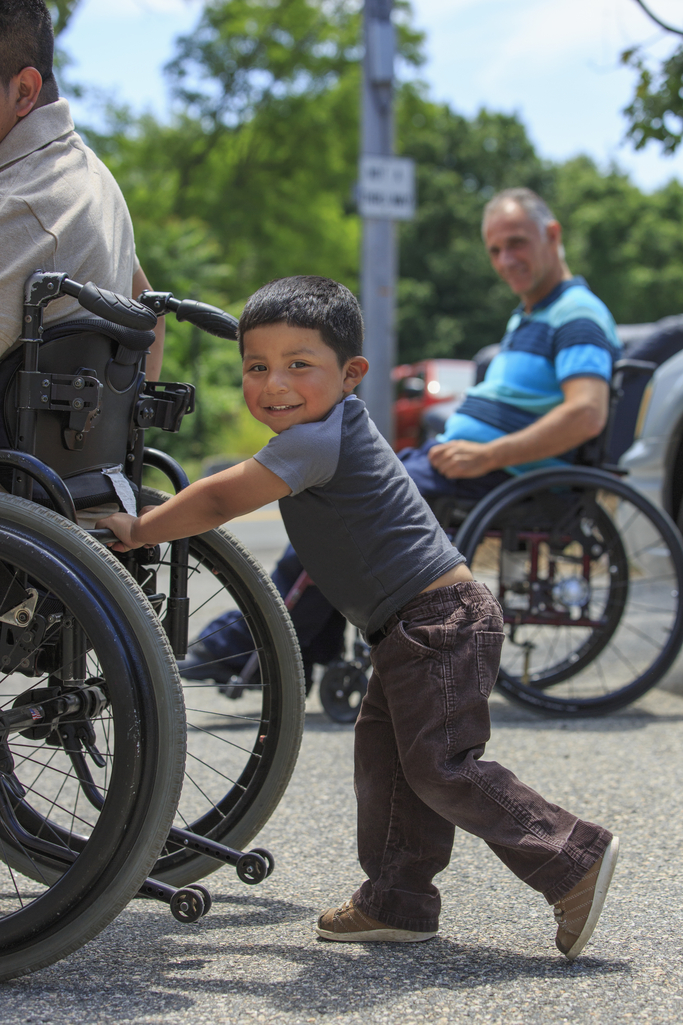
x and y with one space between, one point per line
242 739
88 789
590 577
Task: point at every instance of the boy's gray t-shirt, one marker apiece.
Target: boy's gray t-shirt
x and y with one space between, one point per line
355 518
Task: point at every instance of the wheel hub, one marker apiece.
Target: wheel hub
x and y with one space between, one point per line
572 592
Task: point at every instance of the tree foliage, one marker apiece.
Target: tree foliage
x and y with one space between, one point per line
61 11
656 111
450 300
626 243
253 178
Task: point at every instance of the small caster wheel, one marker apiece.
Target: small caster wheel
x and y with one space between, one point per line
206 896
267 856
252 868
341 691
187 905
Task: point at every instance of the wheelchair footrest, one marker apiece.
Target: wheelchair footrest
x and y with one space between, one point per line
252 866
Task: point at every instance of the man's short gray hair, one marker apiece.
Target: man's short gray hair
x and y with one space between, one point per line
532 204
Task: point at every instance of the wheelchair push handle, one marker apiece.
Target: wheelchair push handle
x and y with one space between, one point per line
111 306
42 287
208 318
139 314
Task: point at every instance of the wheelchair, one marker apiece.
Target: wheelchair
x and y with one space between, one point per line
116 780
588 572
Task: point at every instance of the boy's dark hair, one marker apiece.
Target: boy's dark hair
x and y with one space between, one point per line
308 301
27 41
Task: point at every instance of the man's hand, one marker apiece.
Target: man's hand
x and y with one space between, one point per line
581 416
462 459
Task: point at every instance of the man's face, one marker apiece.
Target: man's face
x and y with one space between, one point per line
524 255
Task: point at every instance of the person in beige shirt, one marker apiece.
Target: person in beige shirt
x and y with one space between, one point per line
60 207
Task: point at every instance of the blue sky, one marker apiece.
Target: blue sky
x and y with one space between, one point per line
554 62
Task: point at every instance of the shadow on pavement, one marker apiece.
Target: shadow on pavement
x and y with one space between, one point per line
315 977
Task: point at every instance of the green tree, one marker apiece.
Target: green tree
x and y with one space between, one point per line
61 11
625 242
451 303
656 111
253 178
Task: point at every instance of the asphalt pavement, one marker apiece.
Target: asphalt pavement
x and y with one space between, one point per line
256 958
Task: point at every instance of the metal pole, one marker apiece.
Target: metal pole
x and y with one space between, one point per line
379 255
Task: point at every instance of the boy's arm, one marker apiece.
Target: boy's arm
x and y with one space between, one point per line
203 505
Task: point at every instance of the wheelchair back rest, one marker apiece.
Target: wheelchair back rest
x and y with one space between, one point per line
656 348
629 380
91 374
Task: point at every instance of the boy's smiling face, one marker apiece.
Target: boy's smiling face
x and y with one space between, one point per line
291 376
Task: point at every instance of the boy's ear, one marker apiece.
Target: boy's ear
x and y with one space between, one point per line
354 372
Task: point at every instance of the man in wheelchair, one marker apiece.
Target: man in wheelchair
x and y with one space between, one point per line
60 210
544 395
60 207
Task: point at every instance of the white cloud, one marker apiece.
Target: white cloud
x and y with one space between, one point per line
520 37
509 32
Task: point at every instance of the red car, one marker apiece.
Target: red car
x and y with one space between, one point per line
422 386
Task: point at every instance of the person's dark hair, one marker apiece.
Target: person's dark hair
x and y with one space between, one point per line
307 301
27 41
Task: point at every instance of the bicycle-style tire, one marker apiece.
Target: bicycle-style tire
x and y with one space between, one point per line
54 899
241 752
637 591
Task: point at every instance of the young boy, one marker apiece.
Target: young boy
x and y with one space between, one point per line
375 550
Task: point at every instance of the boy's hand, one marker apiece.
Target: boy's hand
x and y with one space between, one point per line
122 525
199 507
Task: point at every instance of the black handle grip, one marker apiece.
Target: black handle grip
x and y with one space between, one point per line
103 535
117 308
208 318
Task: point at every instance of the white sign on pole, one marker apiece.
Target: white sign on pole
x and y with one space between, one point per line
386 188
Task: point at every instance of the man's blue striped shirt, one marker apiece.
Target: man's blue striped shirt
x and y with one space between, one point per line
570 333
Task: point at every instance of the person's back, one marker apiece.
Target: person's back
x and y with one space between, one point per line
60 208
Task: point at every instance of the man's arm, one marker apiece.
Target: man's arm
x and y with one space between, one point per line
203 505
156 353
581 416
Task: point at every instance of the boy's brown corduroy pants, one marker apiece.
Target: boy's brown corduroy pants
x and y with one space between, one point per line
420 737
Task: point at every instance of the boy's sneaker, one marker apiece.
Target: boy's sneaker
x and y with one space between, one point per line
351 925
577 913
